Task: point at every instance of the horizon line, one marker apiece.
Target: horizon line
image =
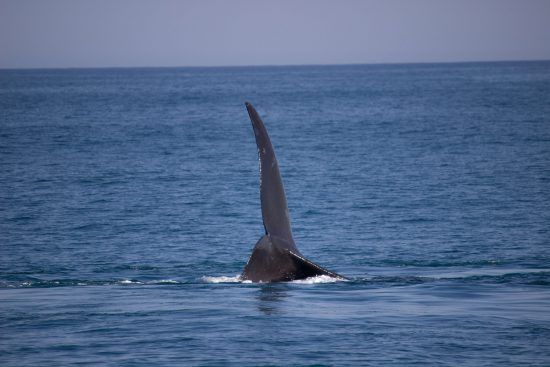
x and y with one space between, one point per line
268 65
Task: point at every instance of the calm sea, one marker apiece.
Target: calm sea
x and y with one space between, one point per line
129 203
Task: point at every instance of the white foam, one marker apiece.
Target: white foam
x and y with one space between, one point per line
127 281
223 279
237 279
317 280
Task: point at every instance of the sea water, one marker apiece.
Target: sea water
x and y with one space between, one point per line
129 204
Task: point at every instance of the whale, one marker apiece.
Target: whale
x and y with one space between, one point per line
275 257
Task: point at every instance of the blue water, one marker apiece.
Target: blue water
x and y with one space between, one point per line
129 203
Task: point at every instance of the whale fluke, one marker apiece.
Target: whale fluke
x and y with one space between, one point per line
275 256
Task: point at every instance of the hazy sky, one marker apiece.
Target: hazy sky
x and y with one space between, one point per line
90 33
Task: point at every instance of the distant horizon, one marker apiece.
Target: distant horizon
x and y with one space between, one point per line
273 65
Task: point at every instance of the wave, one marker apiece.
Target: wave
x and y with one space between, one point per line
540 277
237 279
533 277
42 283
438 263
223 279
319 280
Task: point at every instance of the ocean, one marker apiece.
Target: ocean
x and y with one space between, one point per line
129 205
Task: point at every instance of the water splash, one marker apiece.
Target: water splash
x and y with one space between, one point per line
223 279
318 280
238 279
128 281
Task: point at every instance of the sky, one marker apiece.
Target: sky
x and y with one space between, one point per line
136 33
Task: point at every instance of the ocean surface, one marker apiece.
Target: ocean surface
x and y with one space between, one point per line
129 204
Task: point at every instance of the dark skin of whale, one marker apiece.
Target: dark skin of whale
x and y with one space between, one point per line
275 257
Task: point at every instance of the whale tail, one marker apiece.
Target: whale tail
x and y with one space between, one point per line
272 261
275 256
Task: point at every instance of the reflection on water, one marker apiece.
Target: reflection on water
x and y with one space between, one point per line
270 296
